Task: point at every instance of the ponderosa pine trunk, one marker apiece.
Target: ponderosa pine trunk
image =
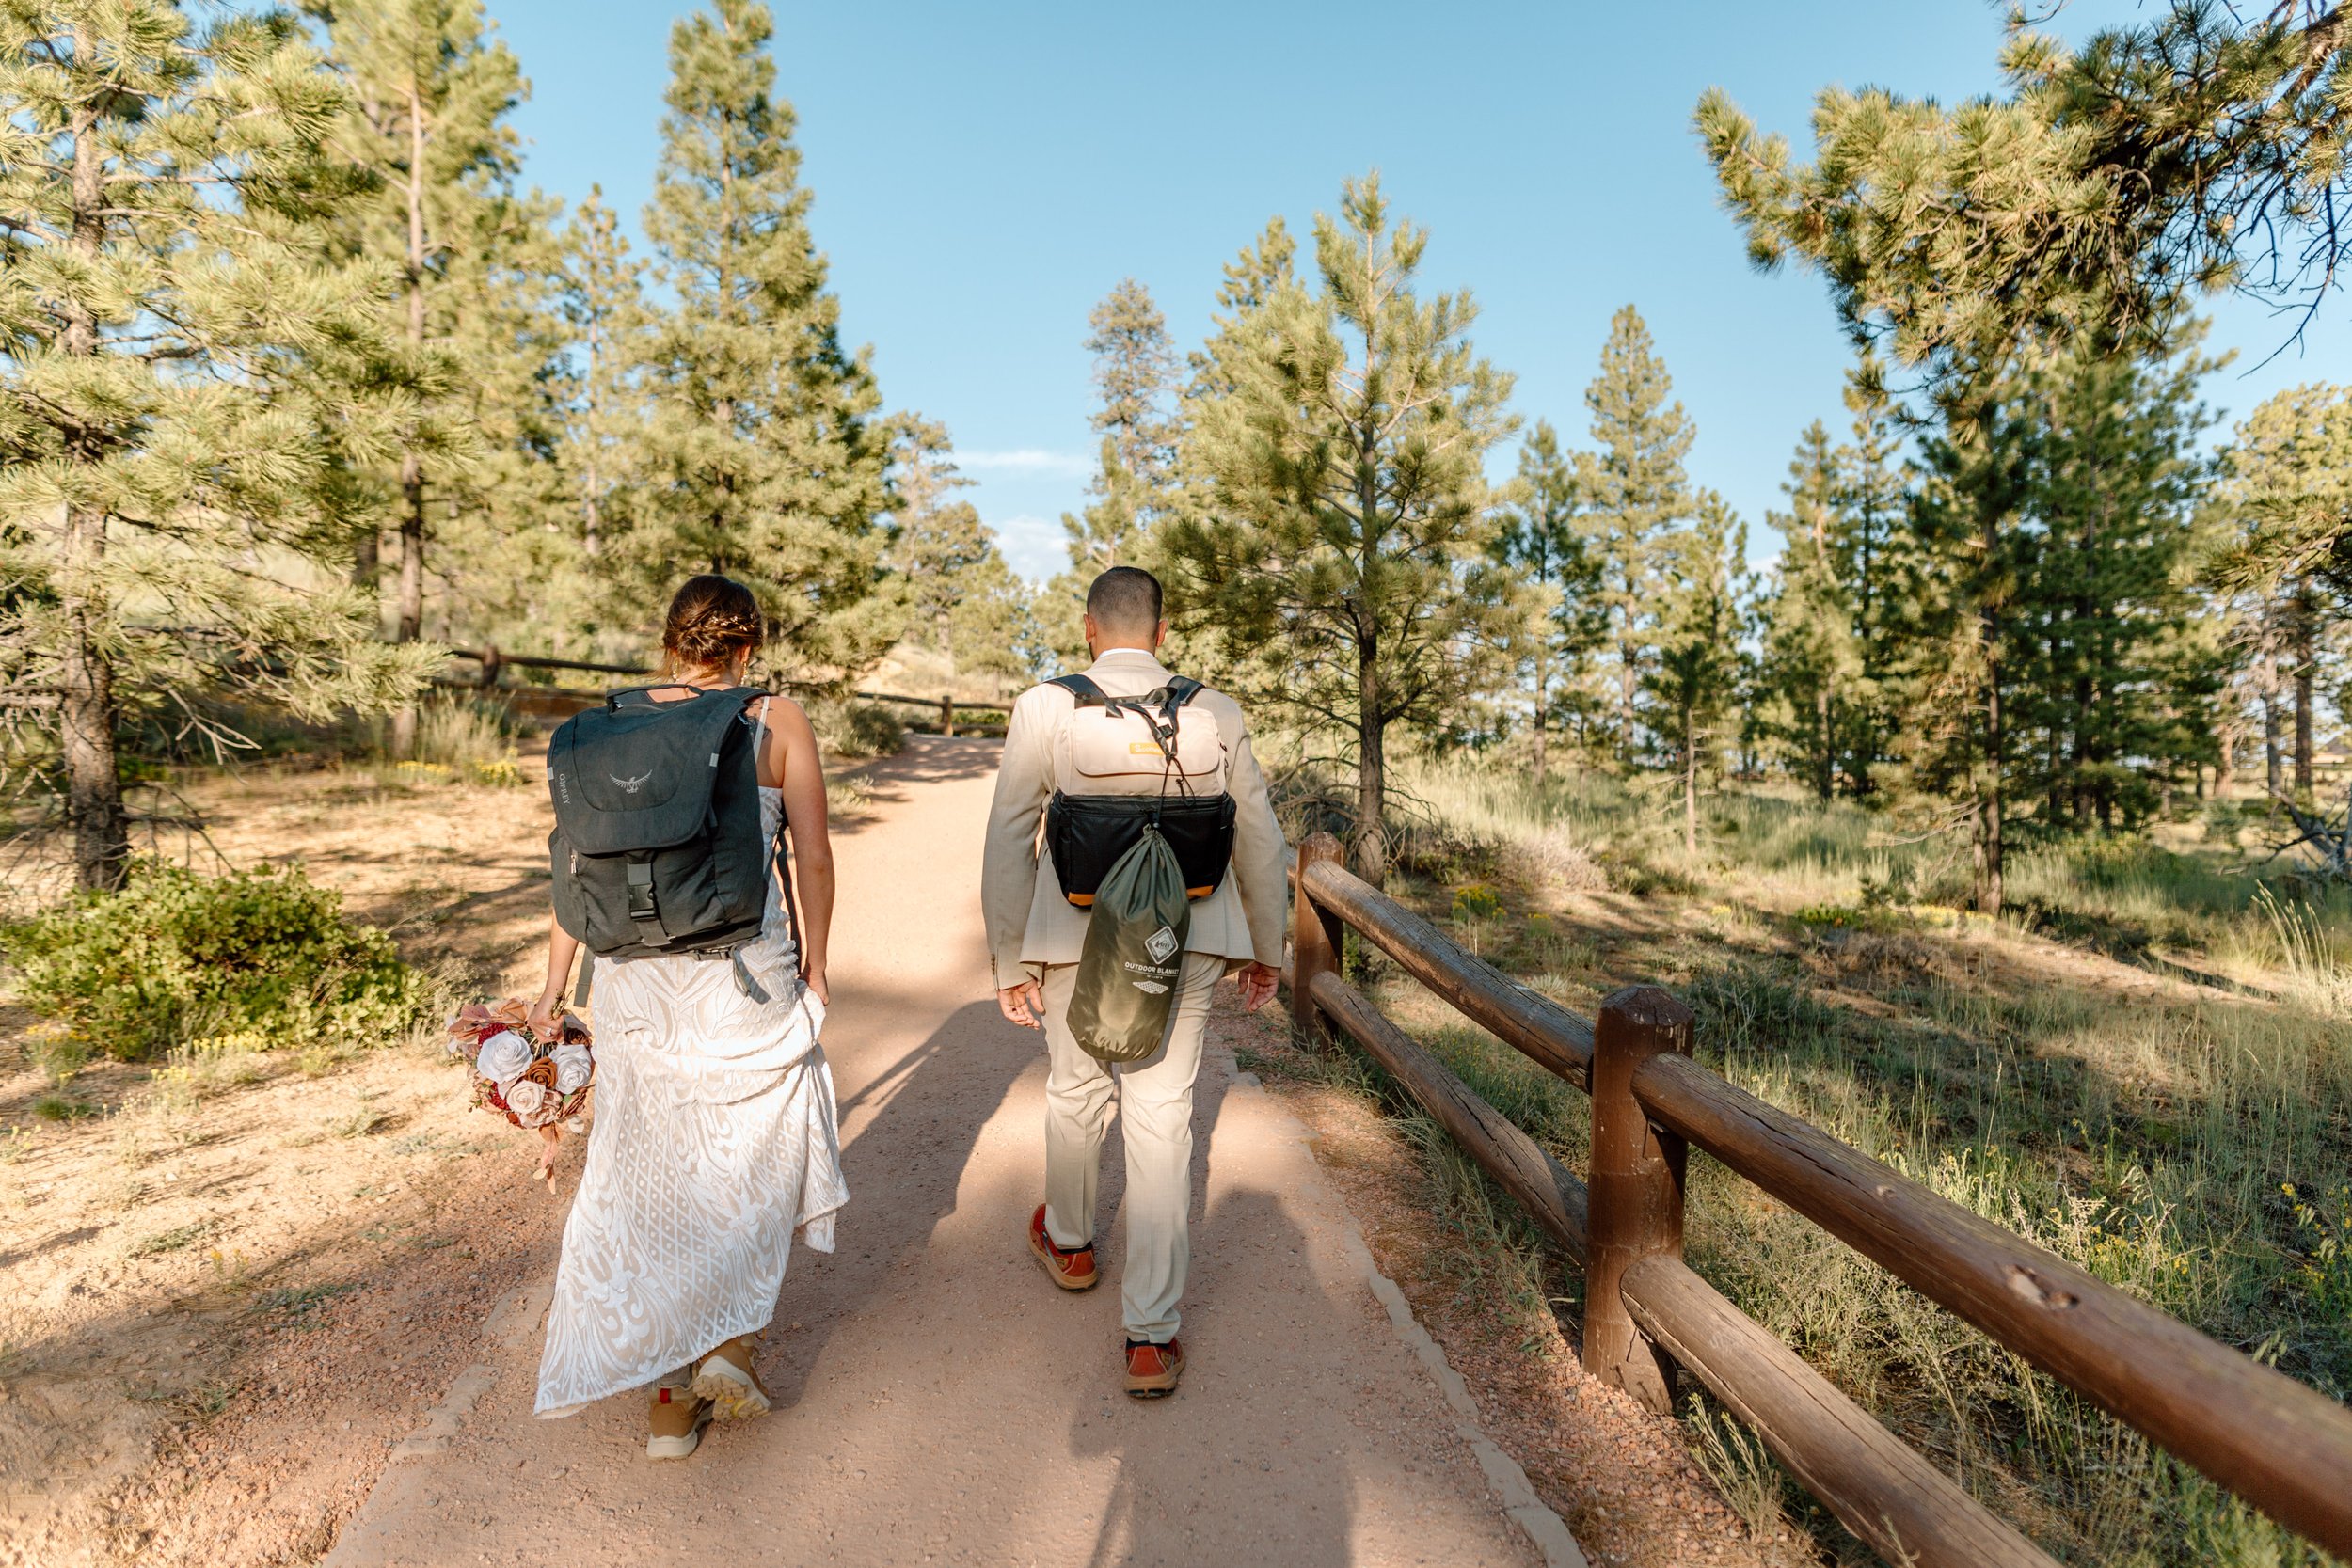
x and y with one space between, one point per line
1370 850
1988 845
1542 687
409 622
86 706
1825 763
1629 680
1690 780
2273 775
2306 655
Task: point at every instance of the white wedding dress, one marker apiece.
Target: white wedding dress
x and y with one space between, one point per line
715 1137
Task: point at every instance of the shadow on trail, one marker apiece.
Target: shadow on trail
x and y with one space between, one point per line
1176 1455
928 1109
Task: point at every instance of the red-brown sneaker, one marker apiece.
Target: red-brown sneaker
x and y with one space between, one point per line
1152 1369
1072 1269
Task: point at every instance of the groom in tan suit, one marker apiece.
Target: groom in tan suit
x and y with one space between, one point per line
1035 937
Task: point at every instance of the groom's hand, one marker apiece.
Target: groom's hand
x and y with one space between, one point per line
1024 1003
1257 984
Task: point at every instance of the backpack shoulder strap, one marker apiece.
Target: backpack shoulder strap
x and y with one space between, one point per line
1085 690
641 696
1181 689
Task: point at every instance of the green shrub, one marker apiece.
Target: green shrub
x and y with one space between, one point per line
177 958
857 730
466 734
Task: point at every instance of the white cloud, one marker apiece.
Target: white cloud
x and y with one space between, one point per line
1027 460
1033 547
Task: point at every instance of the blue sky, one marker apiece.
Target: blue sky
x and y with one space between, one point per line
983 174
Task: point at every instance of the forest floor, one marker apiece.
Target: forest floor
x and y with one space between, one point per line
257 1314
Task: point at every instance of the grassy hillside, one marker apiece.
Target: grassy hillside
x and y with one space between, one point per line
2143 1067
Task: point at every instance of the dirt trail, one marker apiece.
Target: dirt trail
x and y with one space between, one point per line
938 1399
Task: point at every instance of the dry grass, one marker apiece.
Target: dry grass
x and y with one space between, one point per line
2052 1070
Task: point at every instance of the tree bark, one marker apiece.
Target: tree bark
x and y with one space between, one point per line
2306 655
409 619
1370 849
1542 679
2274 774
86 708
1628 681
1825 769
1690 781
1989 825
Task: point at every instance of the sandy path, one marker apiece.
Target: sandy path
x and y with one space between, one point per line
938 1399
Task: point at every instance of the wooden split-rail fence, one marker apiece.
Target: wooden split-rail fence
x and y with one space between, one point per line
559 701
2282 1447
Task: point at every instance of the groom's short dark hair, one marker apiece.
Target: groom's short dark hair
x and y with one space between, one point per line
1126 601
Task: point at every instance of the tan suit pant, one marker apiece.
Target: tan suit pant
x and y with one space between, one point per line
1155 1108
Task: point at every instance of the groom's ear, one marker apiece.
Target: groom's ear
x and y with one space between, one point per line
1159 637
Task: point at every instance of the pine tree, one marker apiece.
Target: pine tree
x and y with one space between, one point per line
433 91
1874 499
760 458
1969 524
2201 148
938 538
960 596
2113 678
2285 499
1810 622
1540 541
1135 383
1344 564
1240 324
1636 492
186 378
1134 379
604 304
1700 617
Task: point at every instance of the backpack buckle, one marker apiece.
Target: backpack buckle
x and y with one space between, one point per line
641 902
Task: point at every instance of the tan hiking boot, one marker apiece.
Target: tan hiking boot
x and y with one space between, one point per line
727 1379
1152 1369
1072 1269
675 1421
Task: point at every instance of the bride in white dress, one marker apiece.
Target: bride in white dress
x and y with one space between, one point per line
715 1136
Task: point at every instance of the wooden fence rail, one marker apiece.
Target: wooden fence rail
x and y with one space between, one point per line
2285 1448
493 663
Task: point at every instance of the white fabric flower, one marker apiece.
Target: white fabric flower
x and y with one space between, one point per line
505 1056
572 1067
523 1096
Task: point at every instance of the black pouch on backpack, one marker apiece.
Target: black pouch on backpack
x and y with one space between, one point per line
657 845
1088 835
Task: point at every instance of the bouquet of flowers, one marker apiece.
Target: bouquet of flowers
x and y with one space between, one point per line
530 1082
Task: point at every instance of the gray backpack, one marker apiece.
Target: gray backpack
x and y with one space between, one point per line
657 845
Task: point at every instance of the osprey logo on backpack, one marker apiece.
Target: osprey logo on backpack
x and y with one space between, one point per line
632 785
1159 944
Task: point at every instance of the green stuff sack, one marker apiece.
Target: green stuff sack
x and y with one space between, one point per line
1133 955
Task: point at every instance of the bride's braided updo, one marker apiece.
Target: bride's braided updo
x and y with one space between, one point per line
711 622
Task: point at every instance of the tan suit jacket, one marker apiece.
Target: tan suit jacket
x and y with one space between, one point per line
1031 923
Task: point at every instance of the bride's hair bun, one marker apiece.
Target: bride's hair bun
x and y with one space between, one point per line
711 622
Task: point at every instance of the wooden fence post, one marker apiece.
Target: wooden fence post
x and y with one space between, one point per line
1315 935
1636 1189
947 714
